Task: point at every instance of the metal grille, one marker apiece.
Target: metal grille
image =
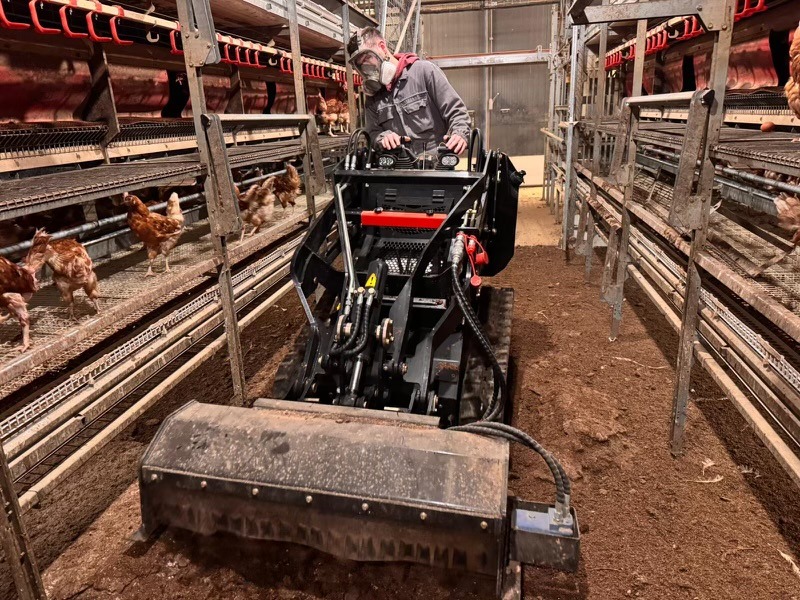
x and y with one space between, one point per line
739 248
20 141
396 15
764 350
143 132
121 279
401 257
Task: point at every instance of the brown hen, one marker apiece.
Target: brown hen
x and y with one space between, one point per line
18 283
159 234
257 205
789 215
793 85
72 270
287 186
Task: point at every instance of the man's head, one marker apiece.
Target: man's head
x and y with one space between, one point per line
368 38
371 57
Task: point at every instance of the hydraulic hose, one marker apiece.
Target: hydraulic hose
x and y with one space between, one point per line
363 336
487 426
499 430
495 408
356 322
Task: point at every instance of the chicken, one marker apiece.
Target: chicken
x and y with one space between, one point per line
793 84
287 186
72 270
344 119
257 205
174 208
789 215
159 234
332 111
18 283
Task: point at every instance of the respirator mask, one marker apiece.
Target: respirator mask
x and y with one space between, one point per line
376 71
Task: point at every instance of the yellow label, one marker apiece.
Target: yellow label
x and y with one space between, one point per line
372 281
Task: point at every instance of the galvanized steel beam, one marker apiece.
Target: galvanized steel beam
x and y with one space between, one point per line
718 78
712 14
492 59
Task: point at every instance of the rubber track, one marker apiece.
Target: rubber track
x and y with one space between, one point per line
496 316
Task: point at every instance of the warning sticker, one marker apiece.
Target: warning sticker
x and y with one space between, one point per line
372 281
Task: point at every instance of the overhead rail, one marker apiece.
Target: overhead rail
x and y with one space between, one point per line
115 25
675 31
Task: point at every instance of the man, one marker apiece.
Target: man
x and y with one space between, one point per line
407 97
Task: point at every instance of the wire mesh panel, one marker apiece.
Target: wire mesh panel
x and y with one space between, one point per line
401 19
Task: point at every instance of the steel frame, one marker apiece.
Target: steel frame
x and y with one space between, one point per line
702 335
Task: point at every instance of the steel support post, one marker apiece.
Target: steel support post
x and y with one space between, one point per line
381 6
417 25
200 49
691 300
300 103
100 104
551 110
351 96
584 247
629 175
16 544
235 103
577 62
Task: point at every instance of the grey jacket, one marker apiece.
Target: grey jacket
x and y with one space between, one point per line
422 105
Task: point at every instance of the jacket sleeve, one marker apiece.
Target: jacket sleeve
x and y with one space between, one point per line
373 128
446 99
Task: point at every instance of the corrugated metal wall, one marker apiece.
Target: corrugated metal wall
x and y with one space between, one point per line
521 91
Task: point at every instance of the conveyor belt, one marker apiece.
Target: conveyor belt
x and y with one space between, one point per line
30 195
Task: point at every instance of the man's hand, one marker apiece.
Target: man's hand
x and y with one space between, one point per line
391 140
455 143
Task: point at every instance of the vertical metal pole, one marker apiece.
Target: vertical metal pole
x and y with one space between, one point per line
691 302
382 12
300 102
351 98
193 16
486 92
585 221
235 104
575 94
629 176
417 21
487 133
14 539
100 104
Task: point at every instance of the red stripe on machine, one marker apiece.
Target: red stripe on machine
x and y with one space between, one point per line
370 218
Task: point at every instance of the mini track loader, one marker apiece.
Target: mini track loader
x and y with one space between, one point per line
386 439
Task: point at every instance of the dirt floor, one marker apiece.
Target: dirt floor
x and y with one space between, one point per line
710 525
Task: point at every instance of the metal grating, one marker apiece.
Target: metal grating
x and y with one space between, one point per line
22 140
19 197
124 351
740 249
780 363
121 278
